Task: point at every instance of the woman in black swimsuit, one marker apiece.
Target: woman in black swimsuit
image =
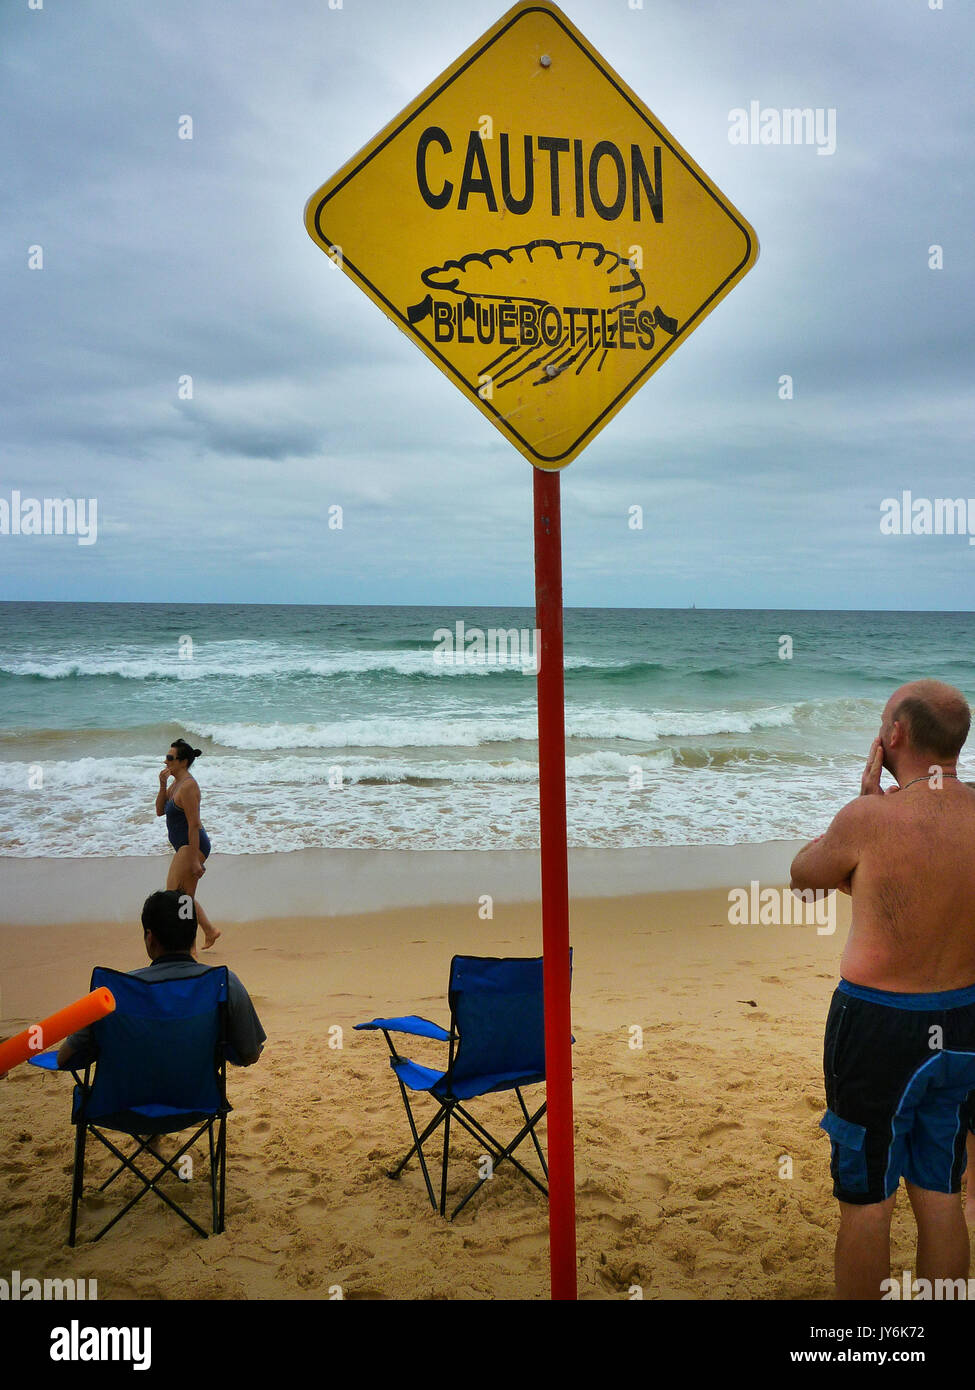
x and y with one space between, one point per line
180 804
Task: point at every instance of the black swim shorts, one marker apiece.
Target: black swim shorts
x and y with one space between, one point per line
899 1070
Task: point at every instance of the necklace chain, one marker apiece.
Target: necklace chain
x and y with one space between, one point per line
926 778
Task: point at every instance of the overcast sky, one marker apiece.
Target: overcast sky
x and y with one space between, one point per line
164 257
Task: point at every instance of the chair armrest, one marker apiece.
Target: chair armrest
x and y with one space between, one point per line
46 1060
411 1023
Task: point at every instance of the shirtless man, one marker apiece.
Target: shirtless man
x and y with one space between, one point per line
899 1056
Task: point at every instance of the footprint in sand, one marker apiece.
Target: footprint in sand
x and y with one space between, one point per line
722 1127
528 1244
310 1212
596 1201
607 1218
711 1189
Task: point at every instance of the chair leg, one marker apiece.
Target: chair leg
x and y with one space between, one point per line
418 1140
213 1177
538 1147
143 1144
500 1154
78 1177
443 1174
150 1185
222 1146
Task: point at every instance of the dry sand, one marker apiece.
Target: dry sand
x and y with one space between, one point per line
681 1142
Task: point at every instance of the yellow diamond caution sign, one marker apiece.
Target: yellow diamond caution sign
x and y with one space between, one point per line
532 226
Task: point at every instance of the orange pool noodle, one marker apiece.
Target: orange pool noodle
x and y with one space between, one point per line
40 1036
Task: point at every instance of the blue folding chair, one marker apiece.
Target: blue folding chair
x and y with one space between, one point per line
496 1043
160 1069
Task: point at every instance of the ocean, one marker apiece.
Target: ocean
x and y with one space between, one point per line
347 727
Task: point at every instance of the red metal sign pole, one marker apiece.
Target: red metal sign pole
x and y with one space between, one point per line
555 882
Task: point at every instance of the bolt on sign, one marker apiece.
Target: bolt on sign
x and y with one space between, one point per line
536 231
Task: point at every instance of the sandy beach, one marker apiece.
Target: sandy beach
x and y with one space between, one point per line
697 1076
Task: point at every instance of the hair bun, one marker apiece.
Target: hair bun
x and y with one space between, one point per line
197 752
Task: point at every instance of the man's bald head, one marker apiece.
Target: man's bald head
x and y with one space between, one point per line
936 716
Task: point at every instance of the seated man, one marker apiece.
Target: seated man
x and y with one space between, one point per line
169 928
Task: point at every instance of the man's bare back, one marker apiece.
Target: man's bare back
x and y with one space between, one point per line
906 857
913 889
